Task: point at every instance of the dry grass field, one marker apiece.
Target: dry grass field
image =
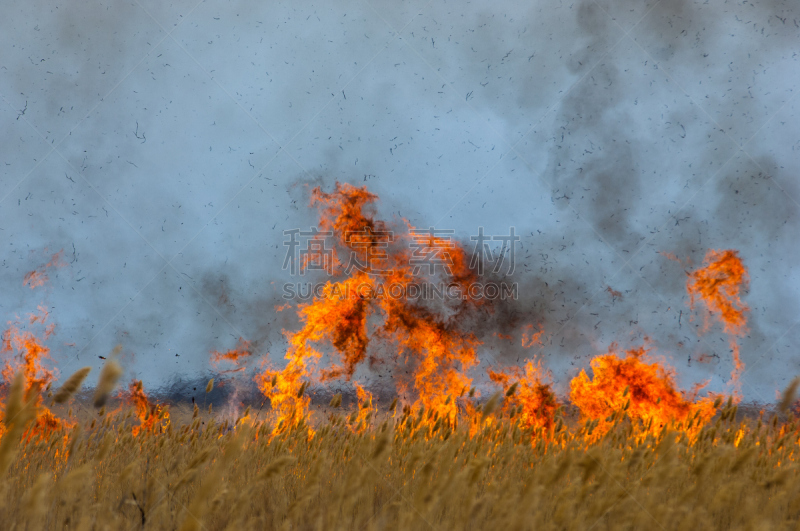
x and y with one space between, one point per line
366 469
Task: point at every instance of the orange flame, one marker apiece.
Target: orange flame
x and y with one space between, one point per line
531 338
29 359
533 401
644 391
38 277
242 350
359 421
718 285
151 415
437 353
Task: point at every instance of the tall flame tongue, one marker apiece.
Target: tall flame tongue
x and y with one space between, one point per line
437 353
718 285
644 391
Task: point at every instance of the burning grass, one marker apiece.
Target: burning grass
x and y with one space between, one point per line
400 471
626 449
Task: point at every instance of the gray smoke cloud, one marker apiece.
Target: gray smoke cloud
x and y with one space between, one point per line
605 132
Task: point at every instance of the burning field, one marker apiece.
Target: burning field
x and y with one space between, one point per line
444 445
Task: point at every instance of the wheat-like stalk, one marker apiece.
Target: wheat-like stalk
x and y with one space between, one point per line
400 471
72 384
109 376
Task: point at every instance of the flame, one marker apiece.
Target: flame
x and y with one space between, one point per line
359 420
286 388
38 277
532 401
531 338
352 323
31 352
353 312
242 350
151 415
718 285
435 351
644 391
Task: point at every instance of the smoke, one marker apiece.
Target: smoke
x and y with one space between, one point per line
643 162
628 146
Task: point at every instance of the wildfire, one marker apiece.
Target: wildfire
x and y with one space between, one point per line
364 312
718 285
528 397
436 352
359 419
151 415
354 311
644 391
30 354
630 407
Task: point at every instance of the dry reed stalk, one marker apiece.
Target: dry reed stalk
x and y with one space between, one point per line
109 376
212 480
18 413
72 384
789 395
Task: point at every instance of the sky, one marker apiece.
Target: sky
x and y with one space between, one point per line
166 147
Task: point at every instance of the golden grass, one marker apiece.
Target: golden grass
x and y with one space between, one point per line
402 472
109 375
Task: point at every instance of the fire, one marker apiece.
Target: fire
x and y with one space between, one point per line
359 419
38 277
442 357
151 415
354 311
718 285
30 355
435 351
242 350
237 355
286 388
531 338
356 320
528 397
644 391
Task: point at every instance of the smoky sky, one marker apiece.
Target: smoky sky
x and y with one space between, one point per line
165 148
